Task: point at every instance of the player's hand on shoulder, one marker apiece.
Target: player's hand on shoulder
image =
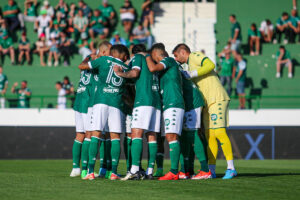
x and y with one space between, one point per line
117 69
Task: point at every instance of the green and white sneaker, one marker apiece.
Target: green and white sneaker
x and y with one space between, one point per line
159 173
108 174
83 173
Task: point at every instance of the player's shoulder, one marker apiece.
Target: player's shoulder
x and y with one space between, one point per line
197 55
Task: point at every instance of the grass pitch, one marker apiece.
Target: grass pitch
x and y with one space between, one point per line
49 179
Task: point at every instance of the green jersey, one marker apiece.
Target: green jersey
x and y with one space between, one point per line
6 43
234 27
252 33
171 84
147 90
11 8
110 87
82 98
191 94
99 22
3 81
226 66
285 56
31 11
21 42
23 99
106 11
93 87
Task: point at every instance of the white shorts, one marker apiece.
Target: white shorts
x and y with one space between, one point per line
128 123
173 120
147 118
89 119
105 116
192 119
81 122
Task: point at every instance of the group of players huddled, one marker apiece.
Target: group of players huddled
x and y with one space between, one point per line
151 94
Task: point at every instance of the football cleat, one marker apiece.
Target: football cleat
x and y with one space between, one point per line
102 173
158 173
169 176
229 174
108 174
114 176
75 172
90 176
149 177
182 175
202 175
83 174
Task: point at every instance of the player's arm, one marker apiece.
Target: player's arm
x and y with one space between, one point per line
84 65
205 66
133 73
154 67
28 93
13 89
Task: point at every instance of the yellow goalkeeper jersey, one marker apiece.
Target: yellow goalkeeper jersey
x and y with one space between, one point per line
208 83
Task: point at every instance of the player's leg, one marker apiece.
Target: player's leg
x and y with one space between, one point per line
160 155
115 154
102 169
127 143
290 67
173 120
212 150
184 155
108 155
152 151
85 153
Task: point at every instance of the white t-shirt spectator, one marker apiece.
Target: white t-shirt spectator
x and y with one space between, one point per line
61 99
136 31
44 21
264 27
81 21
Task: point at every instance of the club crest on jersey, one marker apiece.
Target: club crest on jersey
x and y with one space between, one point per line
167 122
214 117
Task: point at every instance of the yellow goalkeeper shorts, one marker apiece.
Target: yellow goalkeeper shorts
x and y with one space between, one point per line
216 115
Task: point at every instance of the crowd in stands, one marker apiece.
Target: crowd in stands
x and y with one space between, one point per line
65 29
233 66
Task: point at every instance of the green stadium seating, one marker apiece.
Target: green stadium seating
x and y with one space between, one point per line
261 69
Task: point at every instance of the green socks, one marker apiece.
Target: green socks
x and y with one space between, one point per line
115 154
76 150
93 153
102 154
159 160
85 153
152 149
108 154
136 151
127 151
200 152
185 145
174 155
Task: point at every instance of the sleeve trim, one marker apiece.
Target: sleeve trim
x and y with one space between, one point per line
163 65
136 67
203 60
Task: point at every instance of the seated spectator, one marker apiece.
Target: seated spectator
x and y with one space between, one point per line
131 41
281 28
254 40
117 39
266 30
6 47
108 12
24 94
239 73
10 13
41 48
30 10
71 15
53 50
43 24
24 49
236 36
50 10
65 48
87 11
3 87
147 14
85 46
61 99
283 59
142 34
98 24
68 86
127 15
80 24
62 22
294 27
226 73
62 8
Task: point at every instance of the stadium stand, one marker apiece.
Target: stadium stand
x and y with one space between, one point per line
261 70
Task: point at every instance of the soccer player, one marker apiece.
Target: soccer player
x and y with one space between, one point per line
191 126
3 87
170 83
215 112
146 112
108 109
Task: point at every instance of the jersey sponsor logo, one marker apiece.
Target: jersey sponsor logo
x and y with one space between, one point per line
81 89
110 89
214 117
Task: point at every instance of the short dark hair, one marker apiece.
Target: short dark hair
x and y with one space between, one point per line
285 14
233 16
120 48
59 83
138 48
161 47
67 79
181 46
24 81
281 47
